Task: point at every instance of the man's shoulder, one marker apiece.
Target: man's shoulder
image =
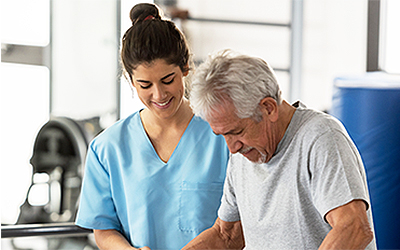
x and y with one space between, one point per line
313 122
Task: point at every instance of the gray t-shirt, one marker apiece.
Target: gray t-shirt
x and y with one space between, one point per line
282 204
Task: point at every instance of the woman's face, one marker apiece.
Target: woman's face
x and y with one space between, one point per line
160 87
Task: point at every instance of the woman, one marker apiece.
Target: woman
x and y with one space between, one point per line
155 178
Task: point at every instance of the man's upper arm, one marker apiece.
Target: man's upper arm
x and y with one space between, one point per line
350 227
336 171
355 208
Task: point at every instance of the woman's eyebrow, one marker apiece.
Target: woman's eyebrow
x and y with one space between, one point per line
143 81
165 77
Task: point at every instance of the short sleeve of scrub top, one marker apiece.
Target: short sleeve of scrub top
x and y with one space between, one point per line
127 187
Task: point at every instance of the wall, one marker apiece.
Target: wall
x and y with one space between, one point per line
84 58
335 44
334 38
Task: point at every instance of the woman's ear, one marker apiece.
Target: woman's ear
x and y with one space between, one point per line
132 81
186 70
269 107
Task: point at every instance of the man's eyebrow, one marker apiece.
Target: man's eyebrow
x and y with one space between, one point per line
229 132
232 131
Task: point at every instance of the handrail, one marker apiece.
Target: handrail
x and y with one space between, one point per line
213 20
48 229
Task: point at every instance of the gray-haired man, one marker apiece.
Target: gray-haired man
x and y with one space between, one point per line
298 182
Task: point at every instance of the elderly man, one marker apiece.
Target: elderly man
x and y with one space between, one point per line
298 181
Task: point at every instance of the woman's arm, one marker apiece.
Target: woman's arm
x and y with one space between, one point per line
222 235
112 239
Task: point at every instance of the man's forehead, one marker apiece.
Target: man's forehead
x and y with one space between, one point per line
221 114
223 120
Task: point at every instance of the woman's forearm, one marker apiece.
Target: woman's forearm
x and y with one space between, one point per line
110 240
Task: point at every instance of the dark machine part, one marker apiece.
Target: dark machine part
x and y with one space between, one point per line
59 151
171 9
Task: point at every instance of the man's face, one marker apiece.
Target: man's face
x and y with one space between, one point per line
254 140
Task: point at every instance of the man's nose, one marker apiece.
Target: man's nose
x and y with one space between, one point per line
234 145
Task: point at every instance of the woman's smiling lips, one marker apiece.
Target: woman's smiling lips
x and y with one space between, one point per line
163 105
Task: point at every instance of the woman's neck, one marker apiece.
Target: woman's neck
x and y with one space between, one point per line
178 121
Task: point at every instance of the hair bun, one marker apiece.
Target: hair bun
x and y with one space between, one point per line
142 11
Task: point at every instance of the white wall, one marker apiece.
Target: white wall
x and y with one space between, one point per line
334 38
84 58
335 44
270 43
22 114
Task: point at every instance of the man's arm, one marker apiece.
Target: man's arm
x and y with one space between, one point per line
222 235
112 239
350 227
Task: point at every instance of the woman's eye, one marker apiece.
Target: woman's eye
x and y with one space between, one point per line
169 82
145 87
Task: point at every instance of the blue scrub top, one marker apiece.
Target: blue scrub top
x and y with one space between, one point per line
127 186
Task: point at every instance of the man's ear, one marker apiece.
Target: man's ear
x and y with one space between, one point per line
269 107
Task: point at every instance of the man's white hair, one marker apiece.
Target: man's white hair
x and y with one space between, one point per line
230 77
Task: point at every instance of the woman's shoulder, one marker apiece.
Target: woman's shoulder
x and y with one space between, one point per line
199 123
202 130
119 129
200 126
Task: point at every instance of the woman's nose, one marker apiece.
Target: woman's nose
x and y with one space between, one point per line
159 93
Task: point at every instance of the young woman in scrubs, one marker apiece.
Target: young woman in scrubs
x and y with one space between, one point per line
153 180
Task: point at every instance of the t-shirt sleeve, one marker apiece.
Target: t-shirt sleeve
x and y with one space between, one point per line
337 172
228 211
96 208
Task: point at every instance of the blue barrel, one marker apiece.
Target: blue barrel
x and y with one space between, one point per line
369 107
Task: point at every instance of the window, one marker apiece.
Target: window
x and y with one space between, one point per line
390 36
24 97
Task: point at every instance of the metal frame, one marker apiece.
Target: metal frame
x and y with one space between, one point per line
25 54
296 49
373 34
51 229
237 22
119 67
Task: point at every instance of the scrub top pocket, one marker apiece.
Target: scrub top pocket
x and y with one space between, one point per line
195 199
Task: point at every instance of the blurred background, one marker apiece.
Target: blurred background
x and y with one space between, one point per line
61 80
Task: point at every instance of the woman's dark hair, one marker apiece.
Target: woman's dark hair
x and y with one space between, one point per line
150 38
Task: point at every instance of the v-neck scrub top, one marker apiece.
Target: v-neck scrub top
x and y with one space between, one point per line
127 187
